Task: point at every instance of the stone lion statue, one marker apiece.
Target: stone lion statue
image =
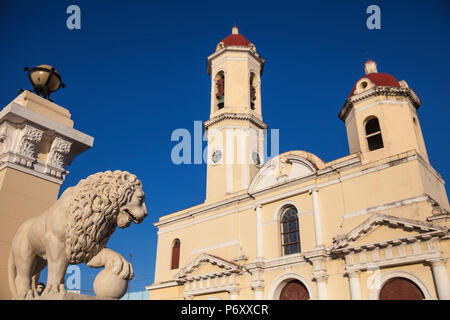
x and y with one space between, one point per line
76 229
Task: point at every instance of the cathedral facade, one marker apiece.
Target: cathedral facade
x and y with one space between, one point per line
370 225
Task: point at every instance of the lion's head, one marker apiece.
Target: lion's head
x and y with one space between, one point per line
99 203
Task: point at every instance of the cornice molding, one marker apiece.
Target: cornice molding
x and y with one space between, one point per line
248 50
235 116
342 244
379 91
227 266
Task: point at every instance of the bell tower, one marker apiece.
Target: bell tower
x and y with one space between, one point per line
235 130
381 117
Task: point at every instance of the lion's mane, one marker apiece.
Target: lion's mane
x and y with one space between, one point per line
93 210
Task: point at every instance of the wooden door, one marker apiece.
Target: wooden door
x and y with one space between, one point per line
400 289
294 290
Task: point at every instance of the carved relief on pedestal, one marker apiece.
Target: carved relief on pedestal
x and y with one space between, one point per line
58 157
26 148
5 140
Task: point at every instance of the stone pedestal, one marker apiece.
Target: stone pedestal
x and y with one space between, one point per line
37 142
66 296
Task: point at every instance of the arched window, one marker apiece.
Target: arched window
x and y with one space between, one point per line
252 91
399 288
373 134
290 236
175 254
220 89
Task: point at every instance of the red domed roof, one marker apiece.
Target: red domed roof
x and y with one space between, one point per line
379 79
236 40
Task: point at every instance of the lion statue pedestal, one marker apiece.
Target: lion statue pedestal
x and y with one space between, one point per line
65 296
76 229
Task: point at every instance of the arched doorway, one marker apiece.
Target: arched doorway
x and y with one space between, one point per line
294 290
400 289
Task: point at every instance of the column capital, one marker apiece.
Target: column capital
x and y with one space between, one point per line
314 189
318 253
257 285
257 206
233 289
436 262
352 273
320 276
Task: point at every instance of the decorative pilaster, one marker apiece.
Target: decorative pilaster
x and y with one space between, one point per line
257 283
316 215
259 234
440 277
354 279
318 260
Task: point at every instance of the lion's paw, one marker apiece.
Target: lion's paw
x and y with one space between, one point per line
121 267
54 289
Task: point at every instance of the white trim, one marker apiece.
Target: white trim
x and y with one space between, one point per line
279 210
370 105
162 285
391 205
32 172
253 63
242 198
375 293
244 137
216 246
273 163
17 110
259 234
217 71
390 261
299 215
201 291
277 220
229 160
279 283
317 219
225 213
286 261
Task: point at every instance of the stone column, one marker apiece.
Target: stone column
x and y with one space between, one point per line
316 215
355 284
259 233
440 277
234 294
322 289
318 260
258 290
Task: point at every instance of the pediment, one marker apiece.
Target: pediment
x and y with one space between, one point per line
205 265
285 167
381 230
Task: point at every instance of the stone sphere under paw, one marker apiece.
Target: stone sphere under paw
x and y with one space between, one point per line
108 285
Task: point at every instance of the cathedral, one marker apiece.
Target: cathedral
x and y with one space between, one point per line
371 225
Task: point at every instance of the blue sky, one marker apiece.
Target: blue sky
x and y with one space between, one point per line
136 71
